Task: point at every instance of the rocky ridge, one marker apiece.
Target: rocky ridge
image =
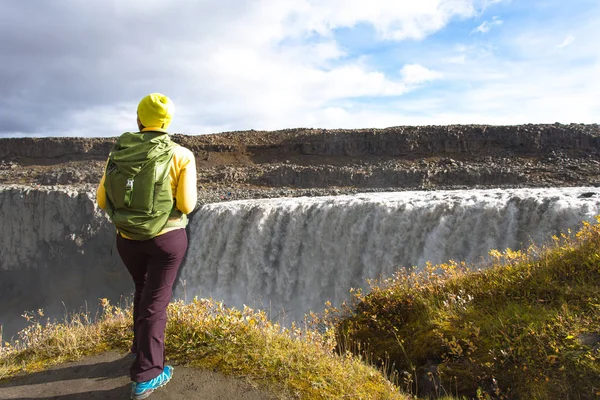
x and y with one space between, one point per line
308 162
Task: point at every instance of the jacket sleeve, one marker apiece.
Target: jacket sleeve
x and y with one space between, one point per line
186 192
101 192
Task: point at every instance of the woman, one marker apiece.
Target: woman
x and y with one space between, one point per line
148 188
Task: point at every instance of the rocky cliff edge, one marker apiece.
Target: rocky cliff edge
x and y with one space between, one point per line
316 161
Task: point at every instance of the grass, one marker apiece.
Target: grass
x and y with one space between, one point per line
527 327
290 362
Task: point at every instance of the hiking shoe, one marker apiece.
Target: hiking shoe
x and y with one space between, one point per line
141 390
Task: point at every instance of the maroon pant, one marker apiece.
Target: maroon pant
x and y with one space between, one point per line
153 265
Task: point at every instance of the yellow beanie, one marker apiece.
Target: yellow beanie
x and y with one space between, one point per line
156 111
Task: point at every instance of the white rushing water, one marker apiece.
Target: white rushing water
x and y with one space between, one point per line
294 254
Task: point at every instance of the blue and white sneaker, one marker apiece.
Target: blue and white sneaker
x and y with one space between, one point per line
141 390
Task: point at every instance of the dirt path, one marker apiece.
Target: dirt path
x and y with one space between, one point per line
106 376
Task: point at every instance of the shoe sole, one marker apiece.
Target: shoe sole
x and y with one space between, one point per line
147 394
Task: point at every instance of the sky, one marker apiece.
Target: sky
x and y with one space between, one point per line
80 67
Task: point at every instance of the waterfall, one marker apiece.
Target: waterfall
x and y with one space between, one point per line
294 254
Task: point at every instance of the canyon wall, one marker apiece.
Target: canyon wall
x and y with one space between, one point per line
394 141
431 157
57 252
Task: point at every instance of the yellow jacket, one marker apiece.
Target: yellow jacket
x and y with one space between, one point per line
183 183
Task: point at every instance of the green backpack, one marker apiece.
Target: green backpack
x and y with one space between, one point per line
138 187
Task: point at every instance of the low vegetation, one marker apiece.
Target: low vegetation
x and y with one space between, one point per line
292 362
526 327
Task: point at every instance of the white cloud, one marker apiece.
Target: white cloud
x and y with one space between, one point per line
566 42
537 85
393 19
489 3
118 115
232 64
460 59
242 64
414 74
487 26
266 86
